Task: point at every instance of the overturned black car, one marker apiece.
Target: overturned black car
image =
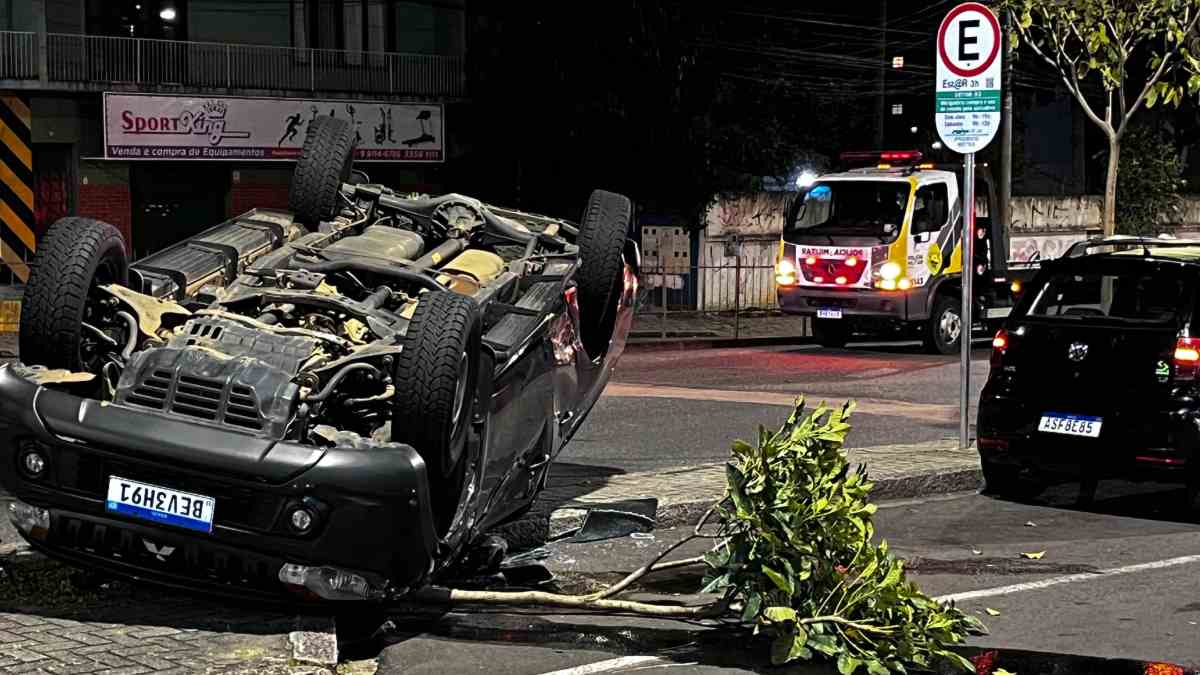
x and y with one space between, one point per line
328 403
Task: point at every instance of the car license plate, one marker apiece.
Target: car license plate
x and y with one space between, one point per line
829 313
160 504
1071 425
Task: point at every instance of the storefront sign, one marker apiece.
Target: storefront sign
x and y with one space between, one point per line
138 126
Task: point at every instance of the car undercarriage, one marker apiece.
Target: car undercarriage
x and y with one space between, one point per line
333 401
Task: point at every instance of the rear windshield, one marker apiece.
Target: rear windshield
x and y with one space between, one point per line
1153 295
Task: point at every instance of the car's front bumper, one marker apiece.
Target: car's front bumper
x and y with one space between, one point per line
371 501
1134 443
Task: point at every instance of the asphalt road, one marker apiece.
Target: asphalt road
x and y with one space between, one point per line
1117 581
680 408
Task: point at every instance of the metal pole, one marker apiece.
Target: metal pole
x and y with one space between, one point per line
968 278
1003 219
882 75
662 282
737 294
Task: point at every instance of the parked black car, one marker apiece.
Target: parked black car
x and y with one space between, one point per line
1095 373
332 402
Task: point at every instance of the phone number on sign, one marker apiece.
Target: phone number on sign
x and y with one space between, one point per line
398 154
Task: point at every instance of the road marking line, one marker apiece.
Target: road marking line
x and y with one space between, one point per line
607 666
926 411
1069 579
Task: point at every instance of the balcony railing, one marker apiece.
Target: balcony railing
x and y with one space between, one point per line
136 61
18 56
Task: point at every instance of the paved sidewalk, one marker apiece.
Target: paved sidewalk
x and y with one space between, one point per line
55 621
899 471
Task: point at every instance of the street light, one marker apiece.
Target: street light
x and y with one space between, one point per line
167 14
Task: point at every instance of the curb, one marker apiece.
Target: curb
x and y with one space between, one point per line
650 344
907 486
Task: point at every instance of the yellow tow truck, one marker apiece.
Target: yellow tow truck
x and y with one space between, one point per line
878 249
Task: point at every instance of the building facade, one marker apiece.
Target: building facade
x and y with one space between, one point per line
165 117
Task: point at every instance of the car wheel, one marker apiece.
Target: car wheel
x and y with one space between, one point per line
600 278
434 406
1003 480
944 331
74 257
834 333
325 163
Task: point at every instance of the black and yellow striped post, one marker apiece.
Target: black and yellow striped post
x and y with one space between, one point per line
16 186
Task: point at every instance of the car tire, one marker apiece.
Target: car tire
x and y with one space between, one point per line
325 163
1004 480
73 257
600 279
944 330
832 333
436 375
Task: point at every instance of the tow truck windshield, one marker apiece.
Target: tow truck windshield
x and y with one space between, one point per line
855 208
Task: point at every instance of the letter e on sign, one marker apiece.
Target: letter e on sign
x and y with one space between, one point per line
967 108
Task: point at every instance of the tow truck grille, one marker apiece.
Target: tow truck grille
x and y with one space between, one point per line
209 399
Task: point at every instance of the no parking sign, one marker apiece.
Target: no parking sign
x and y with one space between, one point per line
967 110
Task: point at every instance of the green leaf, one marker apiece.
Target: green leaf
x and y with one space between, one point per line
799 648
781 648
753 605
734 479
781 582
780 614
847 664
957 661
877 668
826 644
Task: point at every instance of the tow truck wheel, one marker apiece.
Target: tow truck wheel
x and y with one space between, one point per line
945 327
833 333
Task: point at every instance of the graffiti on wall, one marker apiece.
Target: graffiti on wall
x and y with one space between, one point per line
1042 247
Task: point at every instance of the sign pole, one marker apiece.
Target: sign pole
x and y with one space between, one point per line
968 296
967 94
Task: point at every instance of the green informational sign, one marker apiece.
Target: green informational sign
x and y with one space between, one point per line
967 111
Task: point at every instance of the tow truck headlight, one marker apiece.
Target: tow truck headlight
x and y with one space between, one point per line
785 272
890 271
904 284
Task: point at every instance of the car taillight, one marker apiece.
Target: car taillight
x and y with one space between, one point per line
999 347
1187 358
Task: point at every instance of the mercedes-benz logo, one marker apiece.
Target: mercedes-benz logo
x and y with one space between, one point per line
1078 351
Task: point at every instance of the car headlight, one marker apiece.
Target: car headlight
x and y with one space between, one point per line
890 271
785 272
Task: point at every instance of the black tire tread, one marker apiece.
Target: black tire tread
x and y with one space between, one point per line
57 290
601 241
930 332
443 325
324 164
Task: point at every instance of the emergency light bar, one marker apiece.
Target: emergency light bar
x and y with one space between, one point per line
901 157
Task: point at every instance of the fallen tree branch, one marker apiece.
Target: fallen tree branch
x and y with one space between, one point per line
448 596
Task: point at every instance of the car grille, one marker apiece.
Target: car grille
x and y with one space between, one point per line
194 559
209 399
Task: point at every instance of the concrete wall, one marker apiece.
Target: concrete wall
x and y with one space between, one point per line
1042 228
430 28
233 21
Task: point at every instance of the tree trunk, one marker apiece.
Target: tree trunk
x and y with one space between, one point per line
1110 188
